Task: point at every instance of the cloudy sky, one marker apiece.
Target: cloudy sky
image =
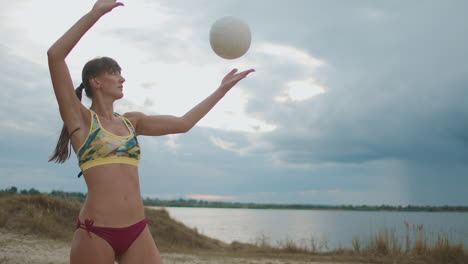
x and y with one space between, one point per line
352 102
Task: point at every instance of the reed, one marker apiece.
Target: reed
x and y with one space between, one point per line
382 246
385 245
384 242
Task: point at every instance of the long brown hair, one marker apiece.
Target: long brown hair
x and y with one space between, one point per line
91 69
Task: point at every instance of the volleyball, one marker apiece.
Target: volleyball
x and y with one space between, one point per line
230 37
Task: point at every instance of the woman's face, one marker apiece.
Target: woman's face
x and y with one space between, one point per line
111 83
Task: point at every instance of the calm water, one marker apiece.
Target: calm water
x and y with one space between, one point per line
333 228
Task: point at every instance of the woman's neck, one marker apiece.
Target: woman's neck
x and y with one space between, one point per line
105 111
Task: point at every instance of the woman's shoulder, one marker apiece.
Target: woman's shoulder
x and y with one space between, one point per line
133 117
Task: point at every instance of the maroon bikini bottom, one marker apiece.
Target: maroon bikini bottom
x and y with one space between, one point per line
119 238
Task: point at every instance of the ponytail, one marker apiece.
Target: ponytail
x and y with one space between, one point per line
62 150
79 91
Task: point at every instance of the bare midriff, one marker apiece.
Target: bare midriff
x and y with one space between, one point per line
114 198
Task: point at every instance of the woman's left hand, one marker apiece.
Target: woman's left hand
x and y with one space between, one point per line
105 6
233 78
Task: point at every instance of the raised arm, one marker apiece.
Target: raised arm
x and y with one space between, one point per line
163 124
71 109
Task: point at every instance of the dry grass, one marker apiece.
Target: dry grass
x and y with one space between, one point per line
54 218
384 246
385 242
381 247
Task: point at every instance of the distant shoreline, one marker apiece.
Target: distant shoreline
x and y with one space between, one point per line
315 209
191 203
312 208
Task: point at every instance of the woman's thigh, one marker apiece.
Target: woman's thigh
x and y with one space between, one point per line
86 249
143 250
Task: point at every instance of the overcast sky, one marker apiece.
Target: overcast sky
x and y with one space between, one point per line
352 102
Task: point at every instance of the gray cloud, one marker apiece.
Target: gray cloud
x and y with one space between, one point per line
394 89
391 127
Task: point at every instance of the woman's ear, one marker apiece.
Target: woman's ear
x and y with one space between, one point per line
94 82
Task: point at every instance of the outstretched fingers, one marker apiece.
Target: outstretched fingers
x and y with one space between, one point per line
244 74
116 4
105 6
231 73
232 78
247 72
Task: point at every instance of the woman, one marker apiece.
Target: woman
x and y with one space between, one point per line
111 225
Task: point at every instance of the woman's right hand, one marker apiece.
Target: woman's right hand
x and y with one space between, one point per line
105 6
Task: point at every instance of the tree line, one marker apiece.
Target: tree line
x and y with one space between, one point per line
78 196
75 196
215 204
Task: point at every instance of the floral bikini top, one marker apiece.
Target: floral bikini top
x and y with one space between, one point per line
102 147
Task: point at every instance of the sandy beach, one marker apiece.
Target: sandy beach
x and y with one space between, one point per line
20 249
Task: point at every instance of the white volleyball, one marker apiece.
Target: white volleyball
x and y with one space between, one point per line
230 37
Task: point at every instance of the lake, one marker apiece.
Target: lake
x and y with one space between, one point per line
329 228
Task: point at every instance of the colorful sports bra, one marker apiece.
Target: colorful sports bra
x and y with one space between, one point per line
102 147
